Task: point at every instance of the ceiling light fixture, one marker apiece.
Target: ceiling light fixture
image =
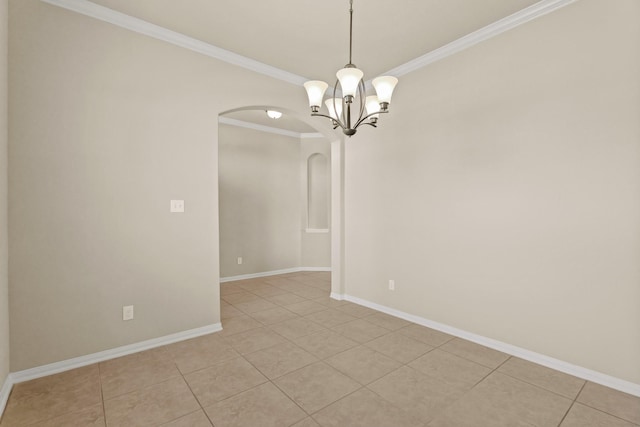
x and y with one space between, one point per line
274 114
352 87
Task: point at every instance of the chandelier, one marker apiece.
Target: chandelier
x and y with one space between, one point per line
352 88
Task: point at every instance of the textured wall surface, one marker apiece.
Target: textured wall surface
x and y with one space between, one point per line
259 188
107 127
502 192
4 231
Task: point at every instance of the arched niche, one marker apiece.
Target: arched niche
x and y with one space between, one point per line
318 193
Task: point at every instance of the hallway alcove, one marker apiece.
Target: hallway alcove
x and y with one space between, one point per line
274 195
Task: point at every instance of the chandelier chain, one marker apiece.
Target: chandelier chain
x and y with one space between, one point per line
343 111
350 29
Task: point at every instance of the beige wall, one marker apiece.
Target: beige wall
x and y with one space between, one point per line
316 247
502 192
107 127
263 202
4 239
317 191
259 190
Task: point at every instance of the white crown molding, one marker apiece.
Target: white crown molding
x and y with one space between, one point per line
541 359
311 135
268 129
87 8
521 17
140 26
272 273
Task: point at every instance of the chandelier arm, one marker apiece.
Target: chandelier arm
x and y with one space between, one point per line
335 110
335 122
360 122
343 120
362 92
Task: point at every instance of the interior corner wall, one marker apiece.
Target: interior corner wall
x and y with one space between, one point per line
502 192
106 127
259 188
4 236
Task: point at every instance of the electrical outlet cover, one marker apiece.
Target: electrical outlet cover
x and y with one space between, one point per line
127 312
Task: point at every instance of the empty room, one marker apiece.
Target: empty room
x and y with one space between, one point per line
299 213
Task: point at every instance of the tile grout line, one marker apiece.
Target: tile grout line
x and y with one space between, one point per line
70 412
194 396
104 410
324 361
572 403
319 360
598 409
359 344
272 381
299 316
573 399
506 374
466 392
401 366
173 362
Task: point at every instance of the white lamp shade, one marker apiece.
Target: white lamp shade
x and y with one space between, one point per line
315 92
373 105
338 104
384 87
349 80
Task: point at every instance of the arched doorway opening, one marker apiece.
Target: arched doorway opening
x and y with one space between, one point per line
279 201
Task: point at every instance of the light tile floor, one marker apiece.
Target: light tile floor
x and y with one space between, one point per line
290 356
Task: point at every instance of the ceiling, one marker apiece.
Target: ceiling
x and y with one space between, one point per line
311 37
259 117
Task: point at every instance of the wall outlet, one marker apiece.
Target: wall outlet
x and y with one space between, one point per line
177 206
127 312
239 260
392 285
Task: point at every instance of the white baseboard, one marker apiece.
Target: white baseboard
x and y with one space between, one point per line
89 359
315 268
5 391
531 356
337 296
272 273
77 362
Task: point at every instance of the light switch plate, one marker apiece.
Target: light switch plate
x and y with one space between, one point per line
177 206
127 312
